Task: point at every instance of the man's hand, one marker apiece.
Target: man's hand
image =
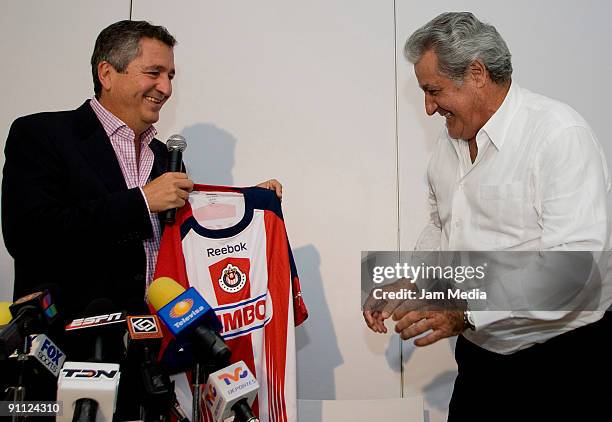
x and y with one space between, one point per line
442 323
376 311
170 190
274 185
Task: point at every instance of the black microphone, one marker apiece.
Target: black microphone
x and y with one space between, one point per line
176 144
157 391
32 314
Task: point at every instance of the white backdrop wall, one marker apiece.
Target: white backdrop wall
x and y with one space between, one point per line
318 95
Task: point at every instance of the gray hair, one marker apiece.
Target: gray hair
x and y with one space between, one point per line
119 44
458 39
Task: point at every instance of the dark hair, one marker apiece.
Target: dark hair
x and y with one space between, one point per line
119 44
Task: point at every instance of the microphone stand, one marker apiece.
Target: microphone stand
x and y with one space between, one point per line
19 390
197 393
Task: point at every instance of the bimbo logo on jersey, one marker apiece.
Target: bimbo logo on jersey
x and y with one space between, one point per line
244 317
228 378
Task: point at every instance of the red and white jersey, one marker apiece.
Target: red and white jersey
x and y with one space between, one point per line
231 245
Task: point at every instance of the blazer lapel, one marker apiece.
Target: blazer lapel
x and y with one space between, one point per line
160 164
96 148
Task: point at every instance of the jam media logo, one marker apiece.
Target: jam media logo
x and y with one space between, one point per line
232 279
181 308
211 395
229 378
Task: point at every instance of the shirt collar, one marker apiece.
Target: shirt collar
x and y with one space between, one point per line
112 124
497 126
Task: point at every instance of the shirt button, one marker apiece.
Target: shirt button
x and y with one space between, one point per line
139 277
457 224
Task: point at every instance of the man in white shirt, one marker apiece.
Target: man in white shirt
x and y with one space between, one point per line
512 170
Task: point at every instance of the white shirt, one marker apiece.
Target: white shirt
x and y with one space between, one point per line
539 182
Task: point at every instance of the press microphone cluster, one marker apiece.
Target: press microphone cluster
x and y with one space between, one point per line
176 145
26 352
231 389
88 383
190 319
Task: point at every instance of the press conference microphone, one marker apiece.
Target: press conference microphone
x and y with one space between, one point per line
5 314
89 387
194 323
176 145
31 314
47 354
231 392
144 342
190 319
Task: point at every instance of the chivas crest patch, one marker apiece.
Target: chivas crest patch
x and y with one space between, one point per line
232 279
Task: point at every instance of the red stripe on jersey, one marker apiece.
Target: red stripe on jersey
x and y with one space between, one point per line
276 330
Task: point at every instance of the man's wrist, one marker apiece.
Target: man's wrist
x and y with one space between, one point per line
468 320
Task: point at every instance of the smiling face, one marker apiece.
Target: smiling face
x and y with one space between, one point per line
460 105
137 95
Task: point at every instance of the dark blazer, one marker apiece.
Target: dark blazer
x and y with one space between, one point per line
67 215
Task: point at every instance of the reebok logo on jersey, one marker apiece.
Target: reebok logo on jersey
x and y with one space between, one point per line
226 249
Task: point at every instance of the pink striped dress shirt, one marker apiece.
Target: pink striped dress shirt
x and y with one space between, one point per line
136 171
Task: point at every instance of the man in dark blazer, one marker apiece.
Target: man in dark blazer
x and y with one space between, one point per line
71 214
82 190
68 216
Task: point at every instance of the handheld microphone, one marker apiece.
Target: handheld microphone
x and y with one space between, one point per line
231 392
176 145
89 387
190 319
32 313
